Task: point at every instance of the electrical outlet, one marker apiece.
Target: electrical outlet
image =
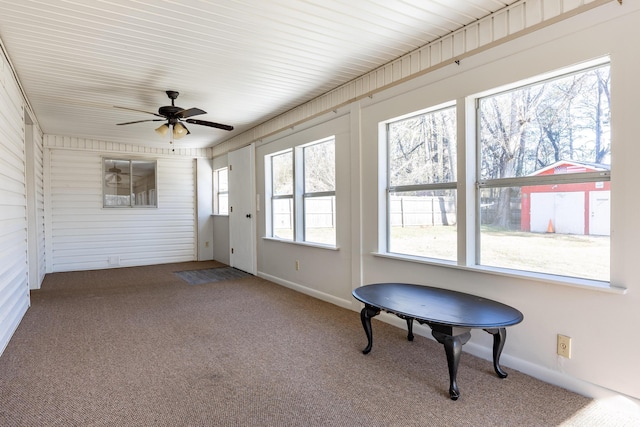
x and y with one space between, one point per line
297 265
564 346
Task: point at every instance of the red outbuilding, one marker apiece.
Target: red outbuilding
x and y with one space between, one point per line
576 208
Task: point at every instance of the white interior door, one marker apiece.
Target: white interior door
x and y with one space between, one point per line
242 225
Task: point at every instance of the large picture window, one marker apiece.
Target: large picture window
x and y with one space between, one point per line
302 193
543 176
421 204
129 183
540 155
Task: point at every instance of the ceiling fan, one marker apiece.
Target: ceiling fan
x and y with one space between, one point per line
113 176
174 116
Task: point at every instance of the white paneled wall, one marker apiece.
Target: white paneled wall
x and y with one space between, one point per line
518 19
14 289
35 202
38 160
83 235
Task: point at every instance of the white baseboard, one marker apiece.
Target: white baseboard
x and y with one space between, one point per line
308 291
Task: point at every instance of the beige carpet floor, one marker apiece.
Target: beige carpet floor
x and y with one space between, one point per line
140 347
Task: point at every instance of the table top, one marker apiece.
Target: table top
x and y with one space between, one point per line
439 306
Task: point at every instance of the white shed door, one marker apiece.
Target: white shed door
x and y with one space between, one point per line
600 213
564 210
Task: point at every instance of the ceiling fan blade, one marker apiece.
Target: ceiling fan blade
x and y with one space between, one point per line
140 121
210 124
140 111
190 112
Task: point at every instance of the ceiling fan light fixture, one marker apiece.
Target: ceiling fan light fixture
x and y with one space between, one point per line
180 130
162 130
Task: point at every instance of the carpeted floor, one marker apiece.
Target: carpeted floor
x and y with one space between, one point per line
141 347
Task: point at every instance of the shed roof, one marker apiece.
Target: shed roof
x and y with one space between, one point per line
570 166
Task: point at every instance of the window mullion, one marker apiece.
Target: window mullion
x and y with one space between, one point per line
132 197
421 187
546 179
319 194
298 202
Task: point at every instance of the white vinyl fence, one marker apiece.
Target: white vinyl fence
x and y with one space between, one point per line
419 211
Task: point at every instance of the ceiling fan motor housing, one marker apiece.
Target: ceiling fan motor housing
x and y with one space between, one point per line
169 111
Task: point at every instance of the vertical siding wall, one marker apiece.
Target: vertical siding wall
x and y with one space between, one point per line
35 203
38 160
14 289
83 235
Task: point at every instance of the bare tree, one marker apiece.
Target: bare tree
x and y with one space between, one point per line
532 127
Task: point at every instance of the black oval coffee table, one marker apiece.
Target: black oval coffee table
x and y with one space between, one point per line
450 314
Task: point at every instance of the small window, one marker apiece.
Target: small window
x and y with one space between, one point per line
129 183
221 191
319 196
421 203
282 213
303 193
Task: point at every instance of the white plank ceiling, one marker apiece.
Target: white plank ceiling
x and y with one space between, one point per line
242 61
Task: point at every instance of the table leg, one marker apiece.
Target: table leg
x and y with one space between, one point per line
409 328
366 314
409 321
453 348
499 337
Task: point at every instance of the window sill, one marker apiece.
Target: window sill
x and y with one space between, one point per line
307 244
123 207
575 282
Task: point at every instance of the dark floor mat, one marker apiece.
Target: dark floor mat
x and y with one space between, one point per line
198 277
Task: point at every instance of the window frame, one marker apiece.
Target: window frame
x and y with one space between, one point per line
284 196
151 193
217 192
527 180
306 195
297 197
469 186
391 189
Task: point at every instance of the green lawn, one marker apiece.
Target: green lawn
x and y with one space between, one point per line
562 254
